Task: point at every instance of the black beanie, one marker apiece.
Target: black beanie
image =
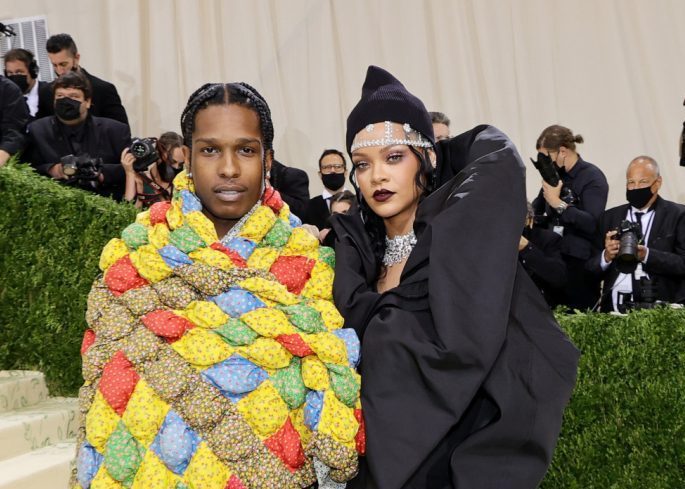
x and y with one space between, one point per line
384 98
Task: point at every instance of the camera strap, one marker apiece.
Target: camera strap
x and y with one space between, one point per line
156 187
638 220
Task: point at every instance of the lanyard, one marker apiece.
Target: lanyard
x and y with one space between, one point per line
648 228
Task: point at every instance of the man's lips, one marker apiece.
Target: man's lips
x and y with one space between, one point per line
229 193
382 195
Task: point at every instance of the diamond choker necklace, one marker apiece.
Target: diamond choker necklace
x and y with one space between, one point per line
398 248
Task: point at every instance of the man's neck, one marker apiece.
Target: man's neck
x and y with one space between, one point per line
571 161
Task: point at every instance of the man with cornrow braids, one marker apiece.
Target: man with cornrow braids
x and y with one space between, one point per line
215 356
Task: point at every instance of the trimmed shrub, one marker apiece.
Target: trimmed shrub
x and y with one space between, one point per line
625 425
50 241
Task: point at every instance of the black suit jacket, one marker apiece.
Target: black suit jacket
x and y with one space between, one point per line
542 259
106 101
14 114
104 138
666 260
46 104
317 212
293 185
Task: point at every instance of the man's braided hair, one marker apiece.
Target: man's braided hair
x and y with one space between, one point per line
228 94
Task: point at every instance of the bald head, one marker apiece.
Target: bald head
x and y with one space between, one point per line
645 161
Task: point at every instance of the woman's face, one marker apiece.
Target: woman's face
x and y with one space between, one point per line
177 159
340 207
386 176
226 162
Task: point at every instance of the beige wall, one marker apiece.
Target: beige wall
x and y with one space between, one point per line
612 70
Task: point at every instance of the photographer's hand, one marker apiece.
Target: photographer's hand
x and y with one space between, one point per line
4 157
127 160
610 246
551 194
642 251
56 171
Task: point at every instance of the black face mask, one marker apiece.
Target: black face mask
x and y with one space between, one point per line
21 81
67 109
333 181
639 197
170 172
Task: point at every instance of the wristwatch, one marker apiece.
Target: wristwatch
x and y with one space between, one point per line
561 207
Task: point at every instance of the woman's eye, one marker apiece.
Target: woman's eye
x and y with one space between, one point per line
394 157
360 165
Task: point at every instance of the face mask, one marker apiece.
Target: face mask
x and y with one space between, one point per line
170 172
21 81
639 197
333 181
68 109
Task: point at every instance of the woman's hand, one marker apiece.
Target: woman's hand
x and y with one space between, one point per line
127 160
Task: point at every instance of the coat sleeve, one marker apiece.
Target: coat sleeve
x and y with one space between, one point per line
14 114
543 259
671 263
593 201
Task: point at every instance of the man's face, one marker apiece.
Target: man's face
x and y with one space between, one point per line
441 131
74 94
64 61
16 67
642 174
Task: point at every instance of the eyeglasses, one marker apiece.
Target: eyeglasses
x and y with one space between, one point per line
335 168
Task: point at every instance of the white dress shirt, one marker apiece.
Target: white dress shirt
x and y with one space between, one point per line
32 99
624 282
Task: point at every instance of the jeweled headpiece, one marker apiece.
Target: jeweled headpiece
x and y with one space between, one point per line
393 134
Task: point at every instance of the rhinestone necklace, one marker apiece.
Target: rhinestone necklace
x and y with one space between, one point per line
398 248
233 232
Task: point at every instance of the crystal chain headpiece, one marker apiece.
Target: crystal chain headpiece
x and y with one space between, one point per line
411 138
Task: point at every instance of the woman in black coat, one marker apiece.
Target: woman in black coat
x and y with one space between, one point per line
466 373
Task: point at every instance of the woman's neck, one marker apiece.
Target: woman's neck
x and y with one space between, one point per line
400 224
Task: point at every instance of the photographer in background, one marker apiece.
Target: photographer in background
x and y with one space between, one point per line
643 259
90 146
573 207
151 166
14 114
540 255
21 67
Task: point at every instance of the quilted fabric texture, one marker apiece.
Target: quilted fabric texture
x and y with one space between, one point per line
216 366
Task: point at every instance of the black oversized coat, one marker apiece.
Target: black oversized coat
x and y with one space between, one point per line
465 372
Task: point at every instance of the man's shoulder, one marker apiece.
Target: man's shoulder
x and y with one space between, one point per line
41 125
670 206
108 123
316 199
618 210
97 82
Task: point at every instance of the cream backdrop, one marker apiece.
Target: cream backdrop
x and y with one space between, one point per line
611 70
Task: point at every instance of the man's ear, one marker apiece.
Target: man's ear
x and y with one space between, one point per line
268 160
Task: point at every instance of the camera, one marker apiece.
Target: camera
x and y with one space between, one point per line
550 174
145 152
642 298
82 167
629 234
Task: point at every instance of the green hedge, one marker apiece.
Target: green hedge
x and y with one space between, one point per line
624 428
50 240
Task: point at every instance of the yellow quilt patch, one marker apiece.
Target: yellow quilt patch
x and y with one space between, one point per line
205 470
103 480
149 264
262 258
263 409
202 348
259 224
301 242
114 250
202 226
328 347
337 420
145 413
101 421
174 216
315 374
330 315
204 314
269 290
153 474
158 235
143 218
269 323
211 257
267 353
320 285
